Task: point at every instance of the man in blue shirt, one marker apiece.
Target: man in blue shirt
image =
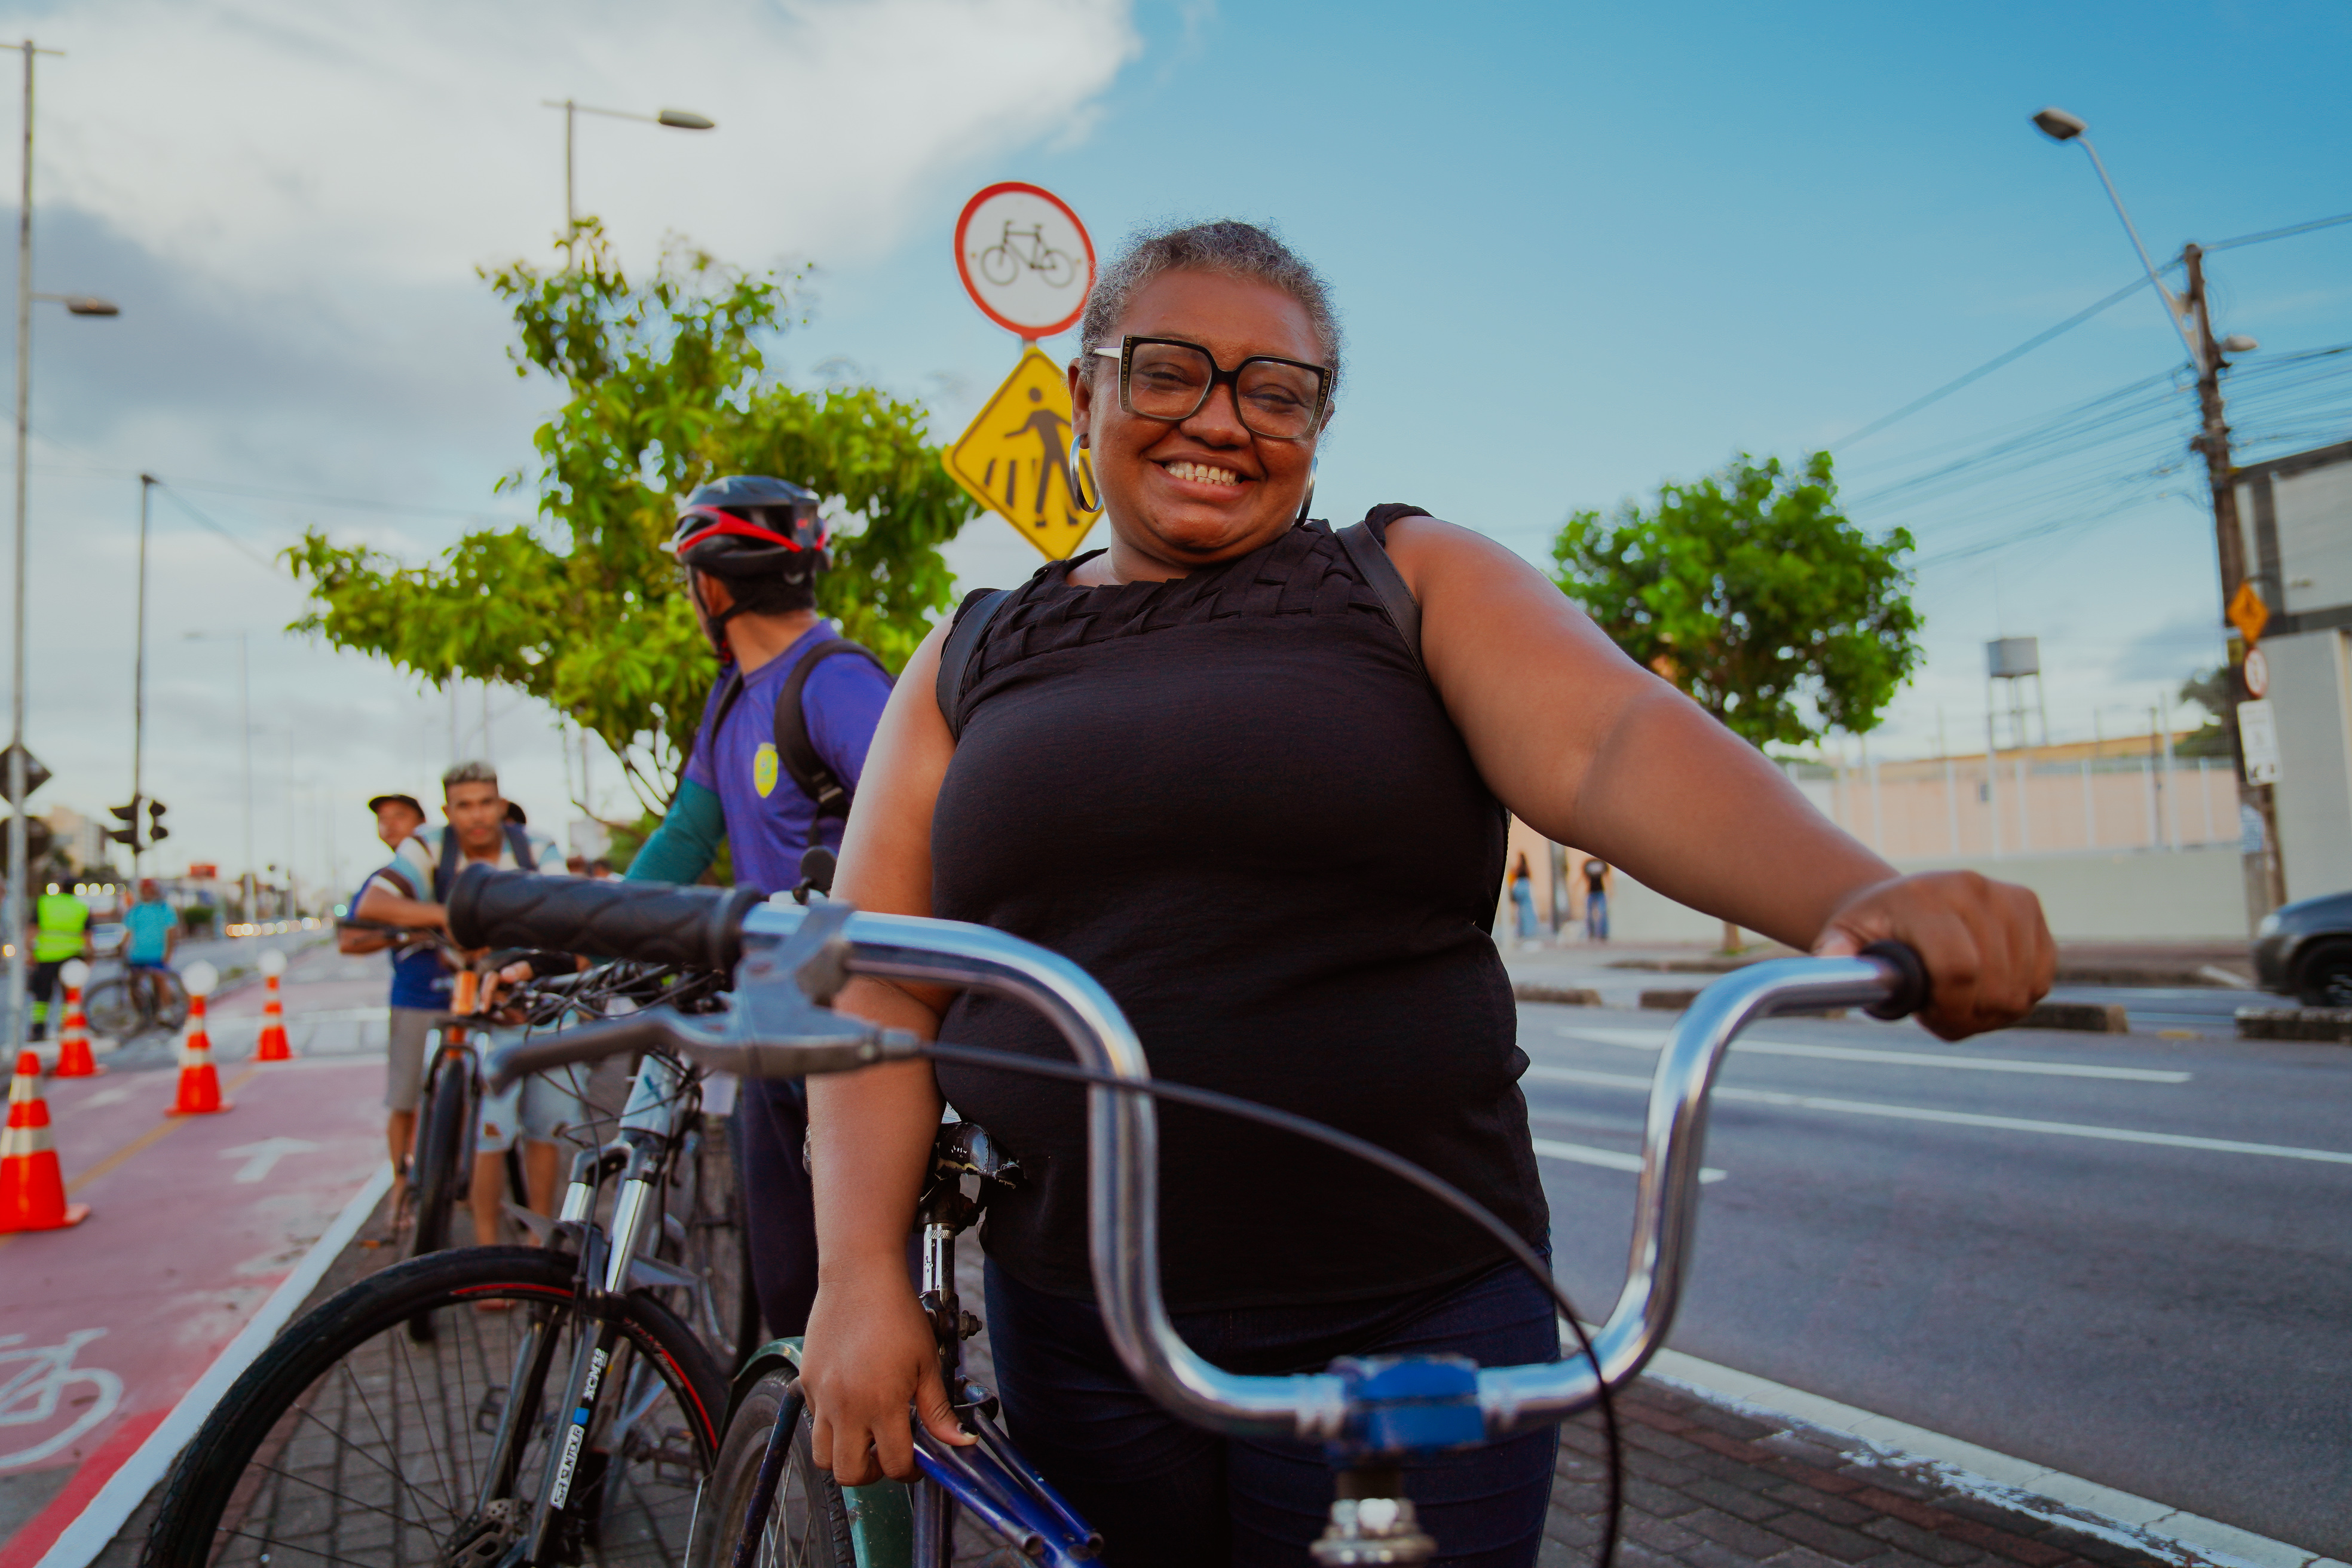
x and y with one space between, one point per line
750 549
420 990
151 930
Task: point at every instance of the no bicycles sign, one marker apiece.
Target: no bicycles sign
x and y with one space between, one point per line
1025 258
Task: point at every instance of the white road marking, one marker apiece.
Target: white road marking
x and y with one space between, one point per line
1607 1159
1651 1040
1961 1117
259 1157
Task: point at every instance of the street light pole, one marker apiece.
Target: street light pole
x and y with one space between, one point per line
2192 318
139 845
244 727
676 119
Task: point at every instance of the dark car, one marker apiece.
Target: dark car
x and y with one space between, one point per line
2306 948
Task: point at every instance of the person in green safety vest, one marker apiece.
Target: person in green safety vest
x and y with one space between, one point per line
60 931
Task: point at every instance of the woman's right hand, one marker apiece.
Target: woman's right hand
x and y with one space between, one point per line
869 1356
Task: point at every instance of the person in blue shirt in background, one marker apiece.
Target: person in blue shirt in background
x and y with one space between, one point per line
750 549
420 992
151 930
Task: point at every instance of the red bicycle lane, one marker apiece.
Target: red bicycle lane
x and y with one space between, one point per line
192 1257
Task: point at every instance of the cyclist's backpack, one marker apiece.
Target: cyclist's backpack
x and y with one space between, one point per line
1366 543
794 750
446 874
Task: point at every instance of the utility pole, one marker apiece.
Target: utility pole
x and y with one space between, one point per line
2266 873
139 689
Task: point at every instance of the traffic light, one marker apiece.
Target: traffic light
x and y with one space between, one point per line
156 831
129 832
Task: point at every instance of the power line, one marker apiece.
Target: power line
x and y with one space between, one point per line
235 544
2071 322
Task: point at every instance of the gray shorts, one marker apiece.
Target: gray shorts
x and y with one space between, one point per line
403 1068
542 1108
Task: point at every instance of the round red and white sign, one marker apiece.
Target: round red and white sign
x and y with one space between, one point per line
2257 671
1025 258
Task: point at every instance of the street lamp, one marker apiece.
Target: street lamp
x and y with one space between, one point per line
2192 317
244 728
676 119
13 910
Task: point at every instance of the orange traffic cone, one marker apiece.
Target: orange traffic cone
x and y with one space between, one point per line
271 1047
74 1059
200 1092
32 1187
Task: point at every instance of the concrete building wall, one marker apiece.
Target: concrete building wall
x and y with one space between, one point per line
2311 689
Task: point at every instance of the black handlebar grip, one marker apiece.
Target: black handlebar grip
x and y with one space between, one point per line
649 923
1911 991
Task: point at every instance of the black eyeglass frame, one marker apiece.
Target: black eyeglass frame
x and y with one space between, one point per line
1125 354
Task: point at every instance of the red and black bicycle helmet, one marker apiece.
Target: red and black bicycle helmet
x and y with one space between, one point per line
749 525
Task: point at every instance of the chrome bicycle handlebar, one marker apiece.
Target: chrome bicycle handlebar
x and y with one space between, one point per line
1123 1161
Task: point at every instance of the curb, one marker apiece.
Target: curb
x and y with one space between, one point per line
2331 1026
2096 1017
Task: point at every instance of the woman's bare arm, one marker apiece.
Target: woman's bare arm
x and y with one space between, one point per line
1590 749
870 1351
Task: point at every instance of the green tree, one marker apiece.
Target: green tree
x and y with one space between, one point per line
665 387
2210 691
1755 594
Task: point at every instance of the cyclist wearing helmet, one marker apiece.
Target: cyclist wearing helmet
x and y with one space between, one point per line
783 743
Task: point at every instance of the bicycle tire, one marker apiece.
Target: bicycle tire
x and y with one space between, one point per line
441 1141
717 1246
808 1524
112 1009
325 1448
170 1008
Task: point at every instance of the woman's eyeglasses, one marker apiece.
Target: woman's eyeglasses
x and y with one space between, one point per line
1167 378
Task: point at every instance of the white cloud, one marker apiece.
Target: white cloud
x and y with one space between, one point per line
327 146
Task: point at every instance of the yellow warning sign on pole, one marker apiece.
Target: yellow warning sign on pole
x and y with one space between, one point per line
1014 457
2248 613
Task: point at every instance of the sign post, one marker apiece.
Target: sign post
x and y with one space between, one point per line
1027 262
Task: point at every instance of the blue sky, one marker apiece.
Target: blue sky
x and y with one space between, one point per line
1579 250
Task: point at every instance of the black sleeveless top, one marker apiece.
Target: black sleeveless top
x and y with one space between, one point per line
1234 799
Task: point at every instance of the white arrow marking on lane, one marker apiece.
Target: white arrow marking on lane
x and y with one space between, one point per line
259 1157
1607 1159
1651 1040
1962 1118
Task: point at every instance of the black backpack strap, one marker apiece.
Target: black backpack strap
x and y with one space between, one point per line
1367 545
730 686
793 747
444 874
963 642
520 843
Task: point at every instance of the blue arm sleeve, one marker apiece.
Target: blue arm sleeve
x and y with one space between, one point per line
683 846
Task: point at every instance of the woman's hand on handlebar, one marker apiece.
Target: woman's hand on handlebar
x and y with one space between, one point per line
1988 951
868 1356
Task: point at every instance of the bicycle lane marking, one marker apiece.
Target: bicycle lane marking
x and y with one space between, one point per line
179 1265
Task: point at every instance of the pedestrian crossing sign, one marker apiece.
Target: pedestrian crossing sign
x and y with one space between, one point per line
1012 457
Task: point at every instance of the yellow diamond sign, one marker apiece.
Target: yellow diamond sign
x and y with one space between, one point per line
1013 456
2248 613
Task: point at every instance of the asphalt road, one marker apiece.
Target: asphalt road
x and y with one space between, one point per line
2171 1320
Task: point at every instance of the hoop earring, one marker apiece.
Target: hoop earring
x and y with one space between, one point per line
1081 459
1308 498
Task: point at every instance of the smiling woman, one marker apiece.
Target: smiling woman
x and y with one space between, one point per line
1253 775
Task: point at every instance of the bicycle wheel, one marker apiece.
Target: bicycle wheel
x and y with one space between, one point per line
112 1008
999 265
1059 268
706 1200
347 1442
444 1175
808 1524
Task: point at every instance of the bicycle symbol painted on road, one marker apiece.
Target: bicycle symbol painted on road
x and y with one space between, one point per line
33 1385
1000 263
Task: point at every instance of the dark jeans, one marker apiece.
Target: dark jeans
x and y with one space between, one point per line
770 1125
1165 1493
